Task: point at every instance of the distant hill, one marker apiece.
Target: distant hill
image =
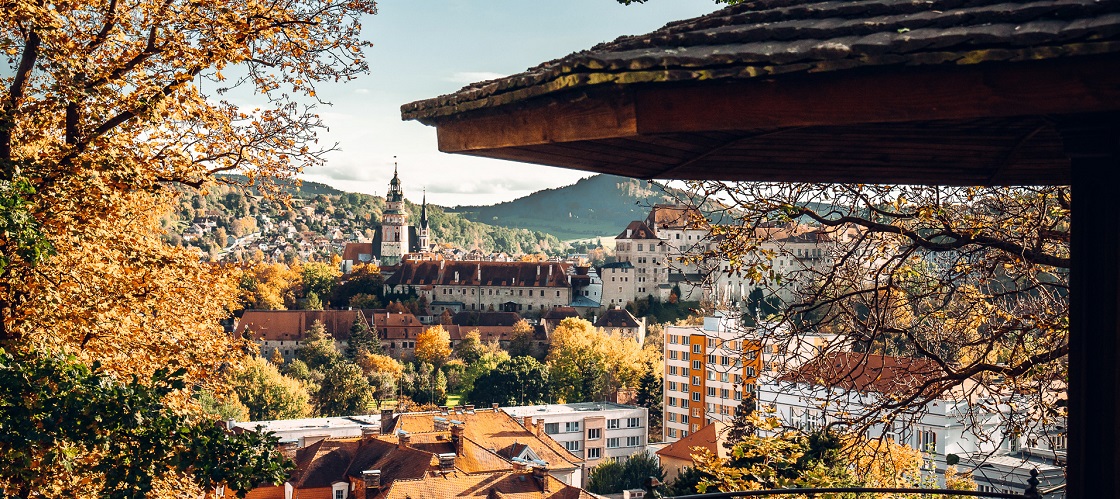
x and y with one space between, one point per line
306 189
600 205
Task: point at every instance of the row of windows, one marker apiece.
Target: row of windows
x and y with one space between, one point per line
614 442
490 291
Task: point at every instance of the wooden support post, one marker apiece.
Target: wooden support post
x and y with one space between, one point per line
1093 144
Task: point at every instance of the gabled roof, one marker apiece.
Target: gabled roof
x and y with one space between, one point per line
617 317
289 325
498 431
710 437
854 371
330 461
509 484
636 230
506 274
468 318
676 217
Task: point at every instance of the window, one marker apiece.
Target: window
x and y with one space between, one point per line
711 342
723 393
672 401
697 348
612 443
711 391
752 354
738 394
750 372
684 433
712 359
612 424
673 370
594 433
672 354
697 365
723 377
634 422
672 433
723 360
673 417
695 396
572 445
633 441
696 381
639 246
672 386
552 428
595 453
672 339
571 427
684 418
711 375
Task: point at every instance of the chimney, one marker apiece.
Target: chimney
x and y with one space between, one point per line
540 426
469 408
494 406
403 439
456 276
372 481
550 271
370 431
528 423
541 474
457 438
538 270
446 462
387 421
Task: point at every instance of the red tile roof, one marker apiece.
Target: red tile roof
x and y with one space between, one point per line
511 274
636 230
508 484
710 437
864 372
498 431
665 216
289 325
615 318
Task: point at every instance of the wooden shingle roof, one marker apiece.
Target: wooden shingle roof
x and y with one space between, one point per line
951 92
766 38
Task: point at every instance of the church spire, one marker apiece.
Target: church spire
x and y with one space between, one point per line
424 210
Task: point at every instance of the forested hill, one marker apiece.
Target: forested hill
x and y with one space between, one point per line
600 205
317 208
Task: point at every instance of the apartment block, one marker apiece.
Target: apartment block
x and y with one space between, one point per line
591 430
707 370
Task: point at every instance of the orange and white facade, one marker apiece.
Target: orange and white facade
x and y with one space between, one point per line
707 370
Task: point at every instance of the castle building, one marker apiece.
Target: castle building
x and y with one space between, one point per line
395 238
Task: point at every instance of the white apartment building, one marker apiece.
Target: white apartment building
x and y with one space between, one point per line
591 430
707 370
848 384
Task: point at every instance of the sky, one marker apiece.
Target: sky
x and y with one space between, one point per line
426 48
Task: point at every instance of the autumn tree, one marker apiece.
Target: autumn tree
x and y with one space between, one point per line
469 348
433 345
102 114
268 394
318 278
974 279
521 340
586 363
316 350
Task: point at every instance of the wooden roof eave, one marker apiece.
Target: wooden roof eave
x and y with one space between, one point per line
748 109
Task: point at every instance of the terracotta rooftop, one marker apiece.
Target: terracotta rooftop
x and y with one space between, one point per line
560 313
665 216
864 372
636 230
617 317
468 318
289 325
495 430
451 273
333 460
510 484
710 437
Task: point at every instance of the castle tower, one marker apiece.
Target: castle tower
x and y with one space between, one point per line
423 229
394 224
